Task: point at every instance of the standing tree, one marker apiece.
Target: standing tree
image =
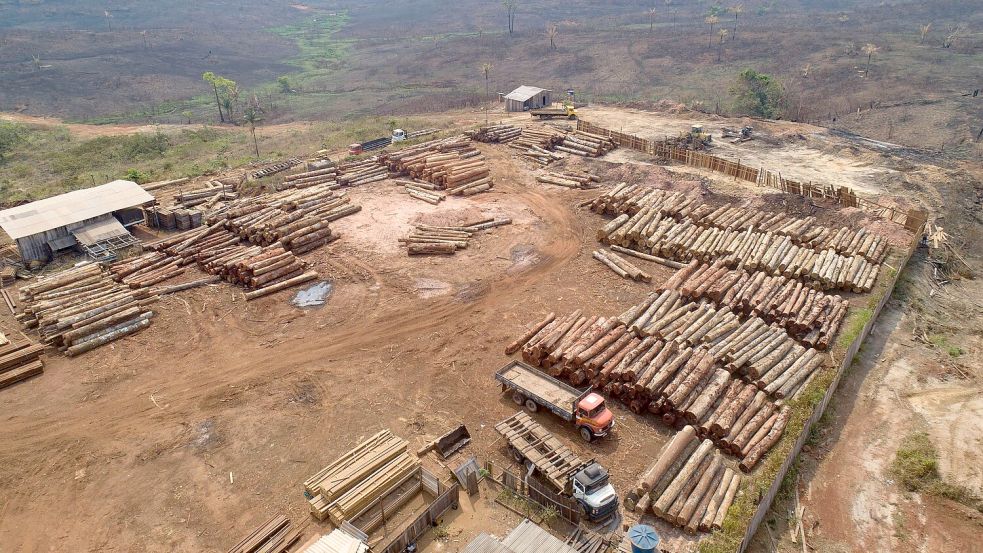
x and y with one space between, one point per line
757 94
510 7
870 50
187 115
711 21
722 33
669 15
218 83
36 59
923 32
736 9
286 86
551 33
486 69
253 115
652 13
952 32
109 19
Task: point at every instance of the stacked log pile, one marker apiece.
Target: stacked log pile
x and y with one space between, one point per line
688 485
361 172
569 179
621 266
275 168
363 475
146 270
83 308
536 144
810 316
842 258
326 176
652 231
445 240
423 191
452 164
209 196
586 144
495 133
276 535
19 361
803 231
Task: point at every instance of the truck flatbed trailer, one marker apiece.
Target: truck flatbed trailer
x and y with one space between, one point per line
541 388
554 461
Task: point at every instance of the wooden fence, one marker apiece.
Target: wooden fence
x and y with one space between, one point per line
765 504
532 490
447 499
842 195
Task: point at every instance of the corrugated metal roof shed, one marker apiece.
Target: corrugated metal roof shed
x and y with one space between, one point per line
483 543
528 537
100 230
72 207
524 92
337 542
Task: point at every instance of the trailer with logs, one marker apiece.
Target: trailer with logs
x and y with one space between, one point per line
533 389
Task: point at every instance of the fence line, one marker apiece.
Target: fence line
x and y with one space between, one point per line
532 490
842 195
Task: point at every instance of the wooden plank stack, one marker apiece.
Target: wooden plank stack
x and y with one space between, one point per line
453 164
353 482
569 179
495 133
83 308
277 535
688 485
585 144
445 240
19 360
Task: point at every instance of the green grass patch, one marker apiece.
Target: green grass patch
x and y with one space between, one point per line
854 325
941 343
916 468
321 53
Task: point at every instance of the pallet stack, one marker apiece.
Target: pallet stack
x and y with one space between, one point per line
84 308
276 535
275 168
585 144
19 361
445 240
367 473
688 485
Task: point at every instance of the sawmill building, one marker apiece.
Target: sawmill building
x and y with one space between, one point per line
526 98
94 220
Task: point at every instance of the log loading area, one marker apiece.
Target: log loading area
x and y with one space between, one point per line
713 313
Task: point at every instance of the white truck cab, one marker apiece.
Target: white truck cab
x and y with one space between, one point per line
594 492
399 135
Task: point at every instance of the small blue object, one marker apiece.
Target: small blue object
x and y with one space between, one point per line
643 539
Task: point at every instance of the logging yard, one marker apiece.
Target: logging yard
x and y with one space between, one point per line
189 394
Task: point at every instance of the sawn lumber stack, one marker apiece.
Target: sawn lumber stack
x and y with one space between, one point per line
359 478
19 360
276 535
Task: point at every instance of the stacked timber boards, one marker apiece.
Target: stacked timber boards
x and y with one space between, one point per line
19 361
356 480
274 536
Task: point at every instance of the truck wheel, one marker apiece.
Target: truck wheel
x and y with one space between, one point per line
518 398
516 454
586 434
531 406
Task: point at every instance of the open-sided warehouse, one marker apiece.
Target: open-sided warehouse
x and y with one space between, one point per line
43 228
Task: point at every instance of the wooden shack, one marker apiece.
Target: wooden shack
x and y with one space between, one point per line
92 217
526 98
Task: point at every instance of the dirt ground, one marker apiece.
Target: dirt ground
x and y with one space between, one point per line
189 434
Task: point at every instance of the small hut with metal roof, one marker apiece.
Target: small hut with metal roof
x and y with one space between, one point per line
526 97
